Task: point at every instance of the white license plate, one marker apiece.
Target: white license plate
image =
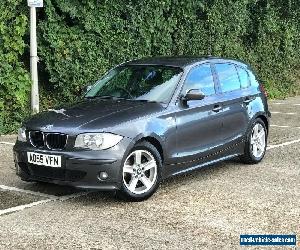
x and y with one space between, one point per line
44 160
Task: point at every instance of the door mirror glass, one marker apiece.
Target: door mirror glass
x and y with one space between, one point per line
194 94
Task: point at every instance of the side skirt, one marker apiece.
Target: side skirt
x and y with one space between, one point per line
204 165
232 151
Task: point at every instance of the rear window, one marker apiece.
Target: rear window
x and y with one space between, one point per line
228 77
253 79
244 77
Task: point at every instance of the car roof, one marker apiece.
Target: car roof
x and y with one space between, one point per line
180 61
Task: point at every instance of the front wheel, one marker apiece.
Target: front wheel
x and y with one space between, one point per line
256 143
141 173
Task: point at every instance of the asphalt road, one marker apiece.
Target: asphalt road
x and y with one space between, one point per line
207 209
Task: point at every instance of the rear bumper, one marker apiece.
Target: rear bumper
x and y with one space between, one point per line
80 169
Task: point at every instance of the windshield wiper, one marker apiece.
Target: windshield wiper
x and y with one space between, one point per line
120 98
144 100
107 97
101 97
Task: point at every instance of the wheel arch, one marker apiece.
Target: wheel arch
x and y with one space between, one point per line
156 142
265 120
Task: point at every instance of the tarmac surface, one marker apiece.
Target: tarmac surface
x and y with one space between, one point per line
206 209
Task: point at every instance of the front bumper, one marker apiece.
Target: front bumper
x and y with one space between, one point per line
80 168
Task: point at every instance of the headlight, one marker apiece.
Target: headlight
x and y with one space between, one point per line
97 141
22 134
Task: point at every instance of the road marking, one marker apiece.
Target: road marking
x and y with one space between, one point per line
283 144
283 126
36 203
22 207
6 143
3 187
284 113
277 103
279 126
53 197
284 103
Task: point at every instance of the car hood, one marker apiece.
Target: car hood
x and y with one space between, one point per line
91 115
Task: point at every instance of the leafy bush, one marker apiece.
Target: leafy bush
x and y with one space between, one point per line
80 40
14 79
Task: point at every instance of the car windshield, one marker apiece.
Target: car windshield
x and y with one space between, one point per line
137 82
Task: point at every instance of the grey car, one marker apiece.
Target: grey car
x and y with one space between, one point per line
146 120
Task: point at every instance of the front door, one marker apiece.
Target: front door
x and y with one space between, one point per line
198 122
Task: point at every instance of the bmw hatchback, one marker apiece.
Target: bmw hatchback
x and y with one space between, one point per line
147 120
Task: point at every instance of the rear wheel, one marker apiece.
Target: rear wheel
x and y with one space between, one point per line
256 143
141 173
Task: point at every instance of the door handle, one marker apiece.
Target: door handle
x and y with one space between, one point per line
247 100
217 108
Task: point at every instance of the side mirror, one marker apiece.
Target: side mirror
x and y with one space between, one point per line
193 94
87 88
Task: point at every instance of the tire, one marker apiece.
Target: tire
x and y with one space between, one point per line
252 155
141 173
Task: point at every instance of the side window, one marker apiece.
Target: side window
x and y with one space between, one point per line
253 79
200 78
228 77
244 77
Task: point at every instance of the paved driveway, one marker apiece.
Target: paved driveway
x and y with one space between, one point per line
207 209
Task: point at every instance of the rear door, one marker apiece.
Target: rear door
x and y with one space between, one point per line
233 86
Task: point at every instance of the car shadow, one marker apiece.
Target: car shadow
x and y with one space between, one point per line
48 188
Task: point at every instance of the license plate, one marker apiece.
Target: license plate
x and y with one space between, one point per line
44 160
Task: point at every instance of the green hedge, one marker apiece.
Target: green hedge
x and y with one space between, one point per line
14 78
80 40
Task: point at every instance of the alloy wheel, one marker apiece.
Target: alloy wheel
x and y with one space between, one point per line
139 171
258 140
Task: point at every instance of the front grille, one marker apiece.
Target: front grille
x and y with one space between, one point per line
56 141
36 138
40 139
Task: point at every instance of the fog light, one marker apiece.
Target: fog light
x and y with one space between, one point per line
103 175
